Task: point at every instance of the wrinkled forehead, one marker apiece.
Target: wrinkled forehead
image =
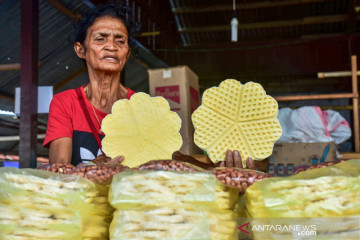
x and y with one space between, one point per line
107 24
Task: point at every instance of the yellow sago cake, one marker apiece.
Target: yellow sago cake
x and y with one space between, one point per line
236 117
141 129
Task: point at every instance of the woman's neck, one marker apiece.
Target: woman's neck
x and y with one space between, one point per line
103 90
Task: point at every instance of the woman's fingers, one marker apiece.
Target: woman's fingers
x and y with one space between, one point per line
233 159
116 160
250 164
229 160
237 159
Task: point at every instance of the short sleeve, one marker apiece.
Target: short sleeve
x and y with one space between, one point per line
59 122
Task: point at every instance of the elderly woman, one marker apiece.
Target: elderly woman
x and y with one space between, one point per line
73 134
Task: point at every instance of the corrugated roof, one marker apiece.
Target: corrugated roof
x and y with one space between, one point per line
60 67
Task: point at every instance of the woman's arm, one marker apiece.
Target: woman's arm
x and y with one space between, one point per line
60 150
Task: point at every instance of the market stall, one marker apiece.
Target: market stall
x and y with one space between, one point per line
159 194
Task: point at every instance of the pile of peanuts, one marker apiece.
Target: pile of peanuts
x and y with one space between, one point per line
167 165
320 165
238 178
100 173
62 168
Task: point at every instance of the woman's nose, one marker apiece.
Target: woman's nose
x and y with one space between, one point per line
111 45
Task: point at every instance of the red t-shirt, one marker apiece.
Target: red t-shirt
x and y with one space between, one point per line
67 119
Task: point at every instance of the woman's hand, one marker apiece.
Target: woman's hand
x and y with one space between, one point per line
102 159
116 160
233 159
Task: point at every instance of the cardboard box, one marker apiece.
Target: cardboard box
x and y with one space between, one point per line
180 86
288 157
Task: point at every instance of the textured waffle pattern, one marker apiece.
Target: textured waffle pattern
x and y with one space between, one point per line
237 117
141 129
212 129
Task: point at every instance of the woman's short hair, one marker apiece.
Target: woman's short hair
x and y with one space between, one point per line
119 12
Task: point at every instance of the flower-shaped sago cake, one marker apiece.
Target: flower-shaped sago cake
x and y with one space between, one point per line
236 117
141 129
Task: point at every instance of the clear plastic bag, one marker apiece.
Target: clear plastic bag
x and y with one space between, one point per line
172 205
55 205
327 198
332 191
173 221
158 187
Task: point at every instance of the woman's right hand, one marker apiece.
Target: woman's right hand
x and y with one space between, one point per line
233 159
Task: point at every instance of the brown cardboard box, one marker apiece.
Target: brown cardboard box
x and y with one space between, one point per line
180 86
288 157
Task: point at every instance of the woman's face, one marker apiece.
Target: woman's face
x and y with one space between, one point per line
106 45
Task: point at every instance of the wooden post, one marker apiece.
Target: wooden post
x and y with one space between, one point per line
29 82
355 103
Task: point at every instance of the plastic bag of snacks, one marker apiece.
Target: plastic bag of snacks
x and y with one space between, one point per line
330 195
44 205
157 187
172 205
173 221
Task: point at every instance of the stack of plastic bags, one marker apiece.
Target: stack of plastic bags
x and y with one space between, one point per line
36 204
171 205
326 199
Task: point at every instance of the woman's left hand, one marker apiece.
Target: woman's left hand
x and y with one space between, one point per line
233 159
116 160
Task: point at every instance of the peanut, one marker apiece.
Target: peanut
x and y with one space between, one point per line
238 178
167 165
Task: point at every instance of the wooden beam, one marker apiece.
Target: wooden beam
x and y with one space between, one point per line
16 158
69 78
17 138
355 103
336 74
350 155
271 24
316 96
29 82
12 66
245 6
7 96
145 34
63 9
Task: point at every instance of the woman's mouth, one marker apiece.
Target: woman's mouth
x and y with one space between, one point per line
111 59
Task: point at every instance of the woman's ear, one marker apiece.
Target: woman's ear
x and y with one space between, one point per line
80 50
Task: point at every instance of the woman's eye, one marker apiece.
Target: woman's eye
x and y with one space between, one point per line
99 39
121 41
